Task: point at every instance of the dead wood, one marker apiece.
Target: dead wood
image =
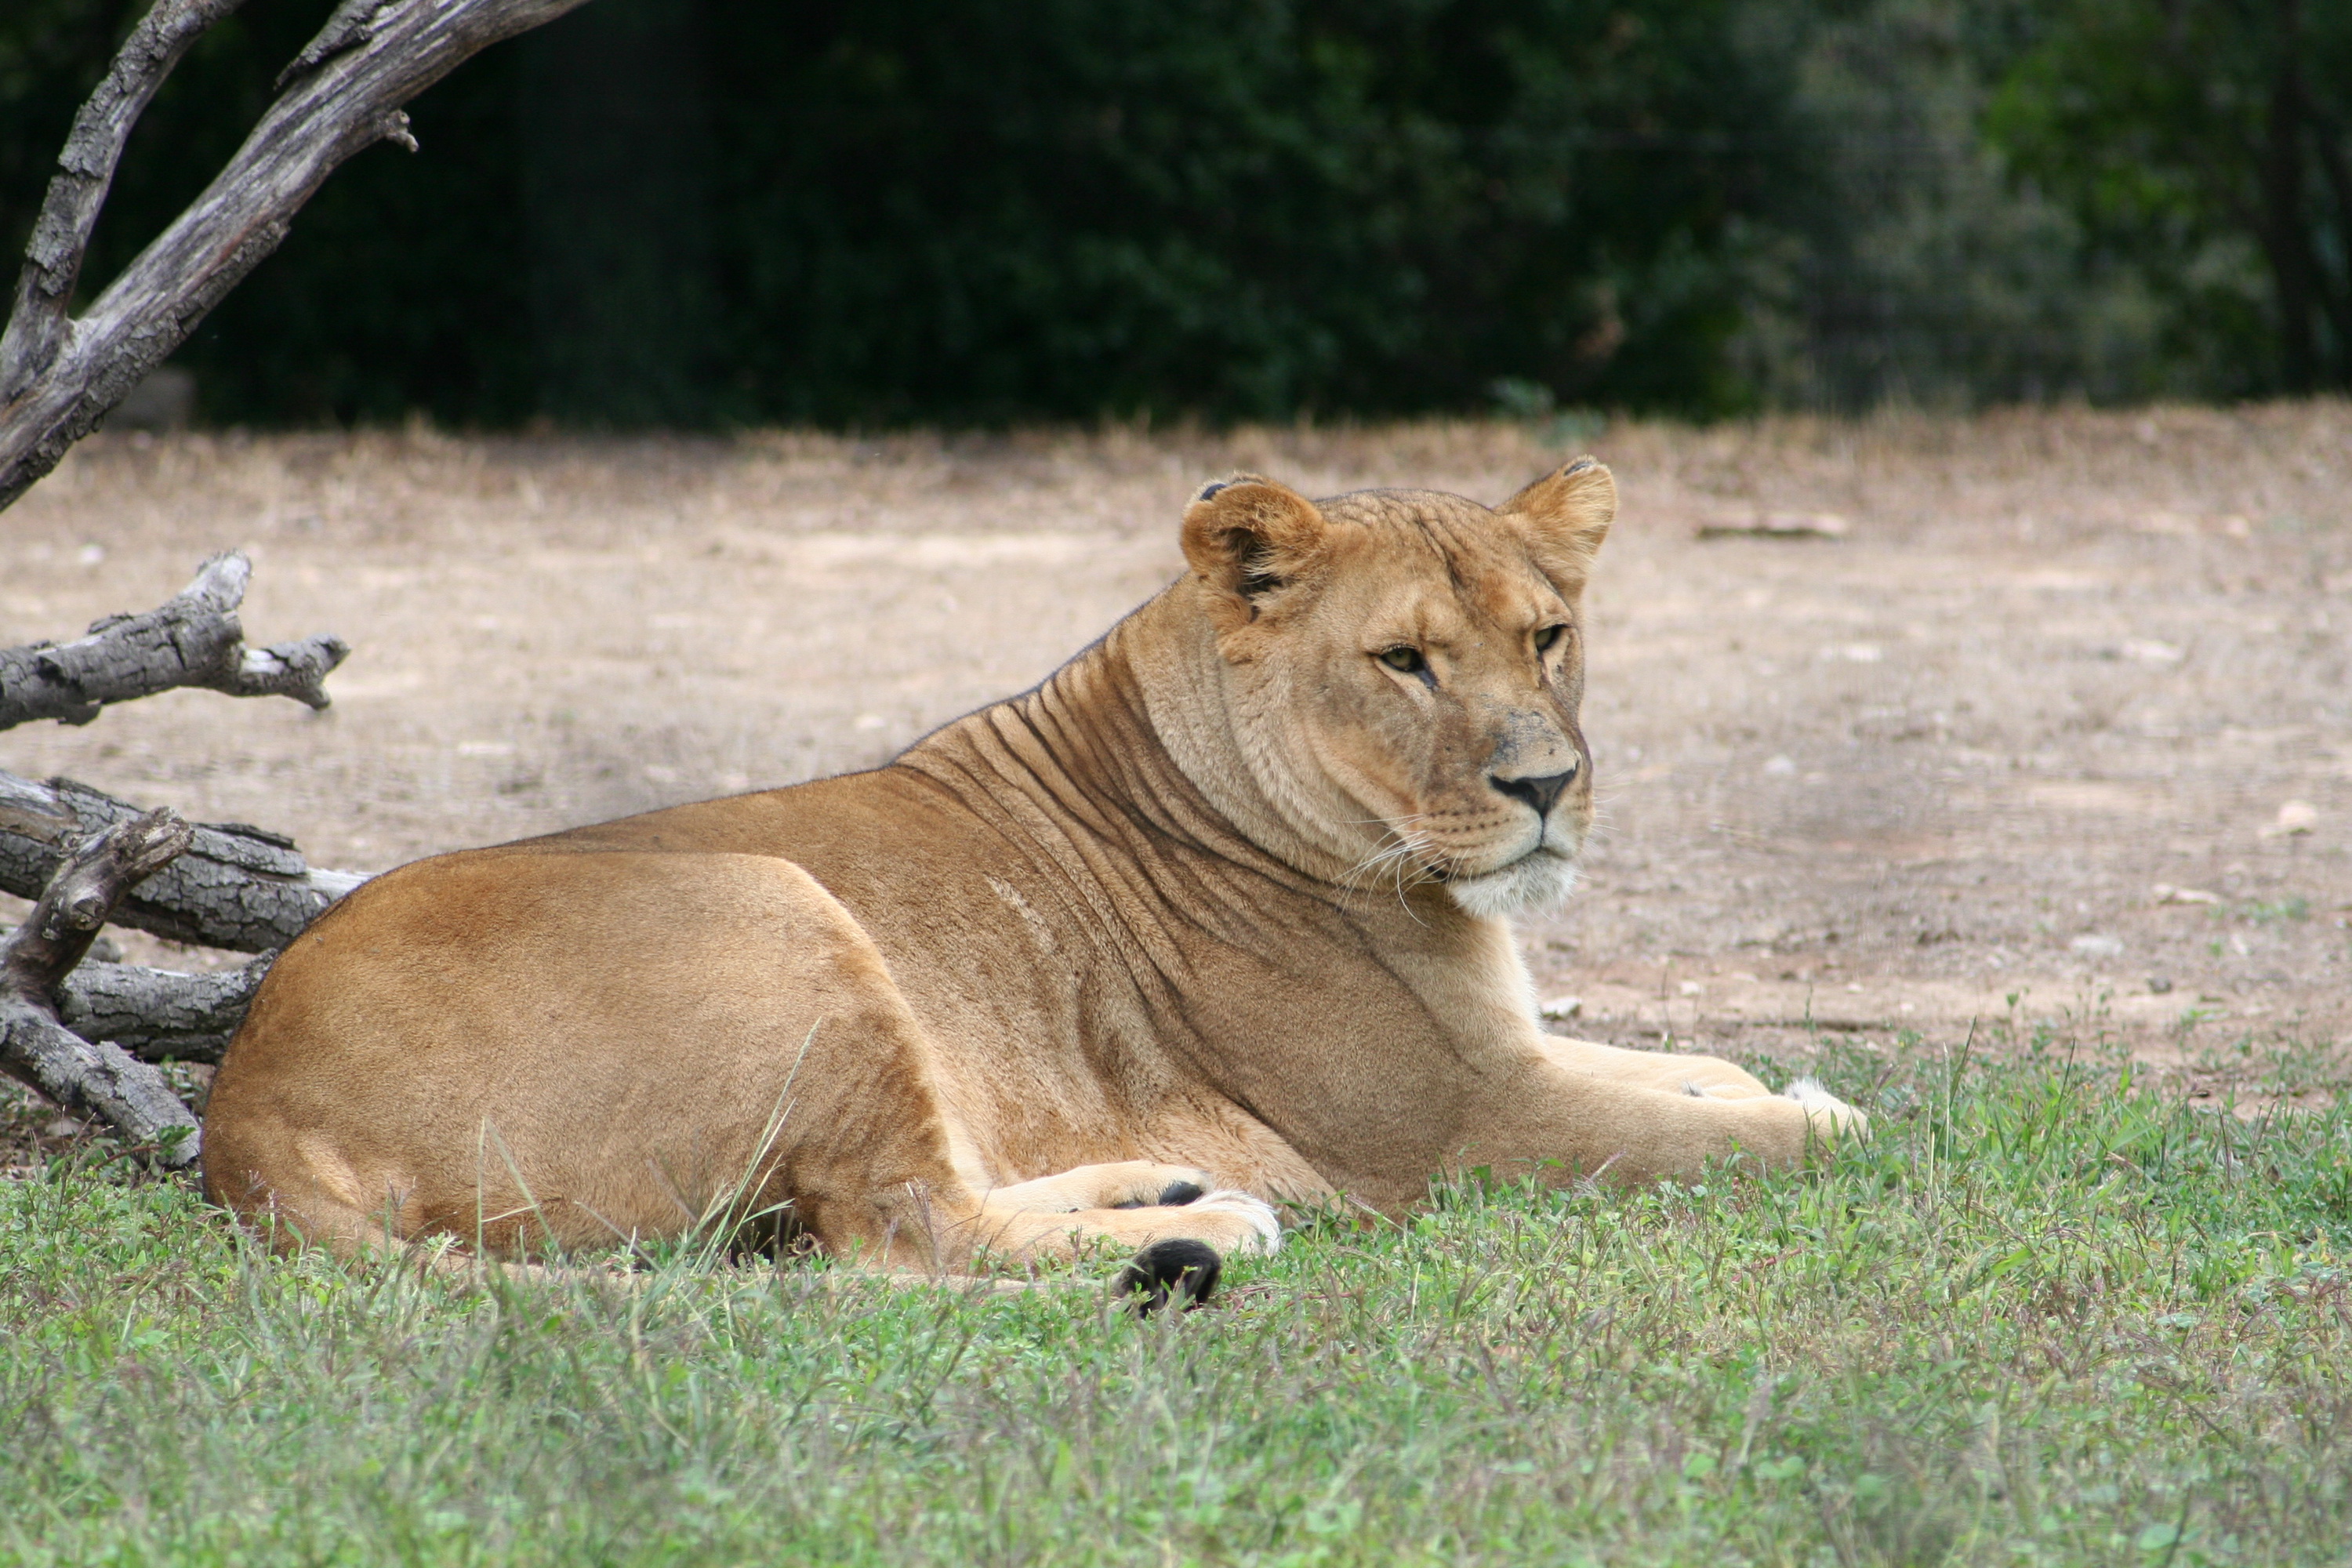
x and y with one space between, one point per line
192 639
90 1079
59 376
83 857
37 326
237 886
159 1014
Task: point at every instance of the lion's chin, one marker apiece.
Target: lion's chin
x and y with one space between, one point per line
1532 884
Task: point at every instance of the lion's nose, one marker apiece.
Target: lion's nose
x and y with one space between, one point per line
1539 792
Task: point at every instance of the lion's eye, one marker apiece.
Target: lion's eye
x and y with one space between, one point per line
1549 639
1407 660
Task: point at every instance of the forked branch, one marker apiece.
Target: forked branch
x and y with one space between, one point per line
237 886
82 855
37 325
59 377
96 1078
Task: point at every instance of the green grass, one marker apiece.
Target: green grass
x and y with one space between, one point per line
2049 1316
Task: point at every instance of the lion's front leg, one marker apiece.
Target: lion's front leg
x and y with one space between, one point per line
1656 1069
1576 1107
1708 1077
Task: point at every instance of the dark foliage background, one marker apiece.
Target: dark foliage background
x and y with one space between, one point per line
699 212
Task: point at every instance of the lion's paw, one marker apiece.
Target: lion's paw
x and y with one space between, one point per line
1147 1185
1233 1222
1180 1270
1121 1185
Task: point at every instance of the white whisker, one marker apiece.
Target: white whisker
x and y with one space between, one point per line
1401 862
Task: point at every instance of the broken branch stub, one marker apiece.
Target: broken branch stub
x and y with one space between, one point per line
236 887
96 1078
81 894
192 639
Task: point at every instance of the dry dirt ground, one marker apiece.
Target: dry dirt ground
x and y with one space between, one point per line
2060 728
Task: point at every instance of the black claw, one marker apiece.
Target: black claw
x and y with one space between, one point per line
1180 1270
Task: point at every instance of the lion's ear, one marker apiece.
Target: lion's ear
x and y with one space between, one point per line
1568 513
1246 537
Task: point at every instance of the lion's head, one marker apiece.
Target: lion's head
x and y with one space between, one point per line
1406 668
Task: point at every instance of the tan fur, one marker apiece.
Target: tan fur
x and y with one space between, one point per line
1224 900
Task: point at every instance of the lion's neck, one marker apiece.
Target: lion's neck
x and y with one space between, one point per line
1188 690
1134 743
1136 729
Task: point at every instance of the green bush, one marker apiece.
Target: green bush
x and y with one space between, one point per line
2215 142
711 212
913 210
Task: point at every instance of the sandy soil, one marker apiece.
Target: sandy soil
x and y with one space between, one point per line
2057 665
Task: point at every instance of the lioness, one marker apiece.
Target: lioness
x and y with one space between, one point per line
1218 914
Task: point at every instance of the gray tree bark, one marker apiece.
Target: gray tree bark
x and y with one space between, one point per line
83 857
37 326
159 1014
194 639
97 1078
59 376
238 887
78 1032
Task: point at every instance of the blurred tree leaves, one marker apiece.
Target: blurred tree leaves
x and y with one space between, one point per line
704 212
2178 127
917 209
1914 267
1239 206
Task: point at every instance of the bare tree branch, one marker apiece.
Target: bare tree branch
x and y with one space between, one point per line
78 853
159 1014
364 68
192 640
98 1078
236 887
37 326
352 25
89 883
